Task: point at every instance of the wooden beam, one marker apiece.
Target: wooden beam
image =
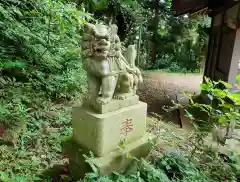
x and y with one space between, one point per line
181 7
201 11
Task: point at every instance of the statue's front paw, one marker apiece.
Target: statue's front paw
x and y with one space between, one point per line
103 100
120 96
87 97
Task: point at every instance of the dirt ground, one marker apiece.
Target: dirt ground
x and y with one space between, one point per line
158 89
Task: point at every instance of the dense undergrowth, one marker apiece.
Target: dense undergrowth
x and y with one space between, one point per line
173 165
39 57
41 73
169 167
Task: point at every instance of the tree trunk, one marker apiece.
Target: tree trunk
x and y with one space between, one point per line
154 53
154 46
139 45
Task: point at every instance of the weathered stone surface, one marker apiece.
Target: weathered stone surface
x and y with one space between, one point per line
102 133
113 105
109 74
114 161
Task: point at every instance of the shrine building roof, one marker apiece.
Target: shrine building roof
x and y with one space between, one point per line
192 6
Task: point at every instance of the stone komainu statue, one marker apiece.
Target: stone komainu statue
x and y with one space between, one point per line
109 73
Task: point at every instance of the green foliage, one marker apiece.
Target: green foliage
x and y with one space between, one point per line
39 56
183 45
165 168
215 166
178 43
40 45
150 173
234 161
40 70
215 106
6 177
39 147
178 168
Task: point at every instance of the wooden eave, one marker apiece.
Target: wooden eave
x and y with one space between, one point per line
180 7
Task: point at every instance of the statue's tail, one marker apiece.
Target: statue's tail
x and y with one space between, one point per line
131 55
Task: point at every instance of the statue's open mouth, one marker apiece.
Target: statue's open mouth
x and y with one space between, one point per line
99 51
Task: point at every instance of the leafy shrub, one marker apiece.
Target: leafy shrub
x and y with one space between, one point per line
40 66
6 177
166 168
215 166
174 67
39 57
149 173
179 168
39 148
216 107
40 45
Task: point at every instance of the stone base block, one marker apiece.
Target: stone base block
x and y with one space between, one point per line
102 133
113 162
113 105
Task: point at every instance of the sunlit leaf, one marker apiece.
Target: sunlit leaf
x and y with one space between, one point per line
222 120
129 156
227 85
204 87
238 77
219 93
235 97
226 105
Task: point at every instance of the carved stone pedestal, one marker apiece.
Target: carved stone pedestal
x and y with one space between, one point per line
114 105
103 133
115 161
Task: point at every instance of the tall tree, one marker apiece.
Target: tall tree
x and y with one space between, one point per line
157 9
